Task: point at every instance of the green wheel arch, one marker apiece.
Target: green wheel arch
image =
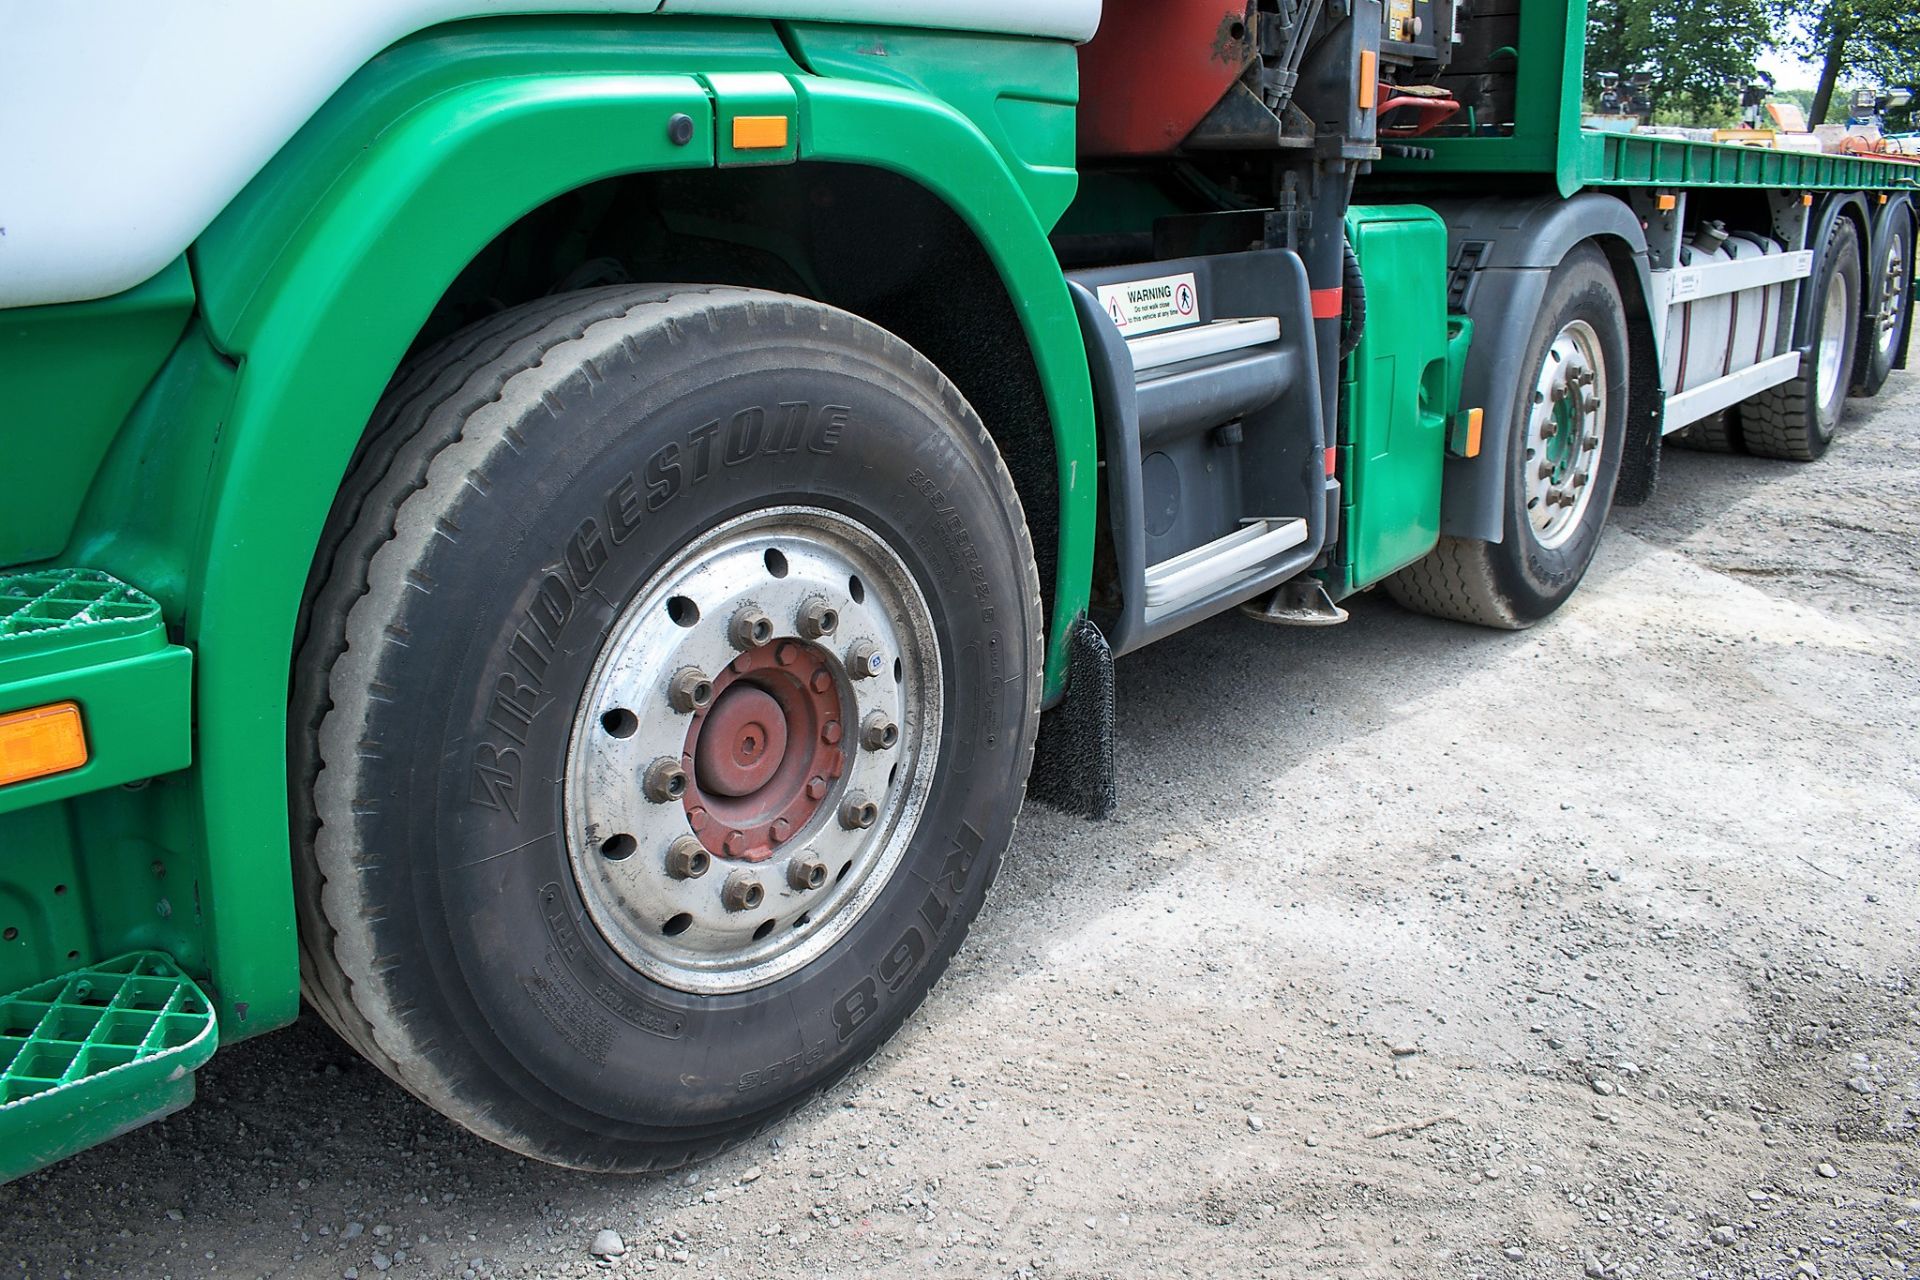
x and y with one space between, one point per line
321 332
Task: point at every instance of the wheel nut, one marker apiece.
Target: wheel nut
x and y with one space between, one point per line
664 780
687 859
735 844
817 618
816 788
690 691
779 829
858 812
864 660
806 873
750 628
741 892
877 732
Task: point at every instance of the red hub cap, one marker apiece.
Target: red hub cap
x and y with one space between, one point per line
765 752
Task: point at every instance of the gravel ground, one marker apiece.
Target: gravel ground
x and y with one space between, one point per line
1416 950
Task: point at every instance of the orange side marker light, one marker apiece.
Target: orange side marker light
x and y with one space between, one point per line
41 741
759 133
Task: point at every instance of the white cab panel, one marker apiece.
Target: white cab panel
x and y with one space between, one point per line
127 125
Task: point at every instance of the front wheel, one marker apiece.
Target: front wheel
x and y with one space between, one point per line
668 693
1563 458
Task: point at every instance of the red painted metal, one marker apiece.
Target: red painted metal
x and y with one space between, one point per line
1154 70
765 753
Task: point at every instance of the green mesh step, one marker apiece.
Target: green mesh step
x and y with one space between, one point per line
44 609
96 1052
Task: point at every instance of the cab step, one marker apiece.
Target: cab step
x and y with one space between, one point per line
1221 562
1207 389
96 1052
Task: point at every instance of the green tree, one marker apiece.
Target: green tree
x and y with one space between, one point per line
1874 41
1701 52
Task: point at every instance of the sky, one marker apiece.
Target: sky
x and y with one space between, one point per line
1789 72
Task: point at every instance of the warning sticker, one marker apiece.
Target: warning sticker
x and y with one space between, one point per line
1146 306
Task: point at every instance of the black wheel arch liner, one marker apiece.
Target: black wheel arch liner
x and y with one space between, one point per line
1526 237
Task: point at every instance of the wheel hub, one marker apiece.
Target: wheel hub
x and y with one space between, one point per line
1565 426
764 754
753 750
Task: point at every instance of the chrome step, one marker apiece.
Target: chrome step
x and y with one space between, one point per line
1154 350
1216 564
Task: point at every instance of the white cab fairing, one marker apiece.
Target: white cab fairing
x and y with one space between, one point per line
127 125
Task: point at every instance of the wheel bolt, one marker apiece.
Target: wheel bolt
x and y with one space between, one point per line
877 733
690 690
780 829
741 892
821 681
735 844
864 660
817 618
806 873
858 812
664 780
830 732
750 628
697 818
816 788
687 859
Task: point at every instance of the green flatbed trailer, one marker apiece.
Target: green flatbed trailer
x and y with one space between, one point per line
557 535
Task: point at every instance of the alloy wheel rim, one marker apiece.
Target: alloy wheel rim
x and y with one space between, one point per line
1566 424
748 763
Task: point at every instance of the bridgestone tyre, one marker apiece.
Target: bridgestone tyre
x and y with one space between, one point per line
1518 581
521 484
1886 332
1797 419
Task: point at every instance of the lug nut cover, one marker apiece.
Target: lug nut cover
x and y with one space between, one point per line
690 690
865 660
817 618
742 892
750 628
878 732
664 780
858 812
687 859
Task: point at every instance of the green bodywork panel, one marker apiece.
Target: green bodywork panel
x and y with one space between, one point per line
1400 385
68 376
312 286
79 635
1020 93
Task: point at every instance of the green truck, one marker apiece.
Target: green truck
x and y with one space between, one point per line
562 533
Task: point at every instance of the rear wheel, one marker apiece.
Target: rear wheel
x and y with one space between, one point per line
668 693
1887 330
1715 433
1563 458
1798 418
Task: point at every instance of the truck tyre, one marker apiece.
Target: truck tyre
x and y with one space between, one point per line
1797 419
1886 330
1563 457
1715 433
667 691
